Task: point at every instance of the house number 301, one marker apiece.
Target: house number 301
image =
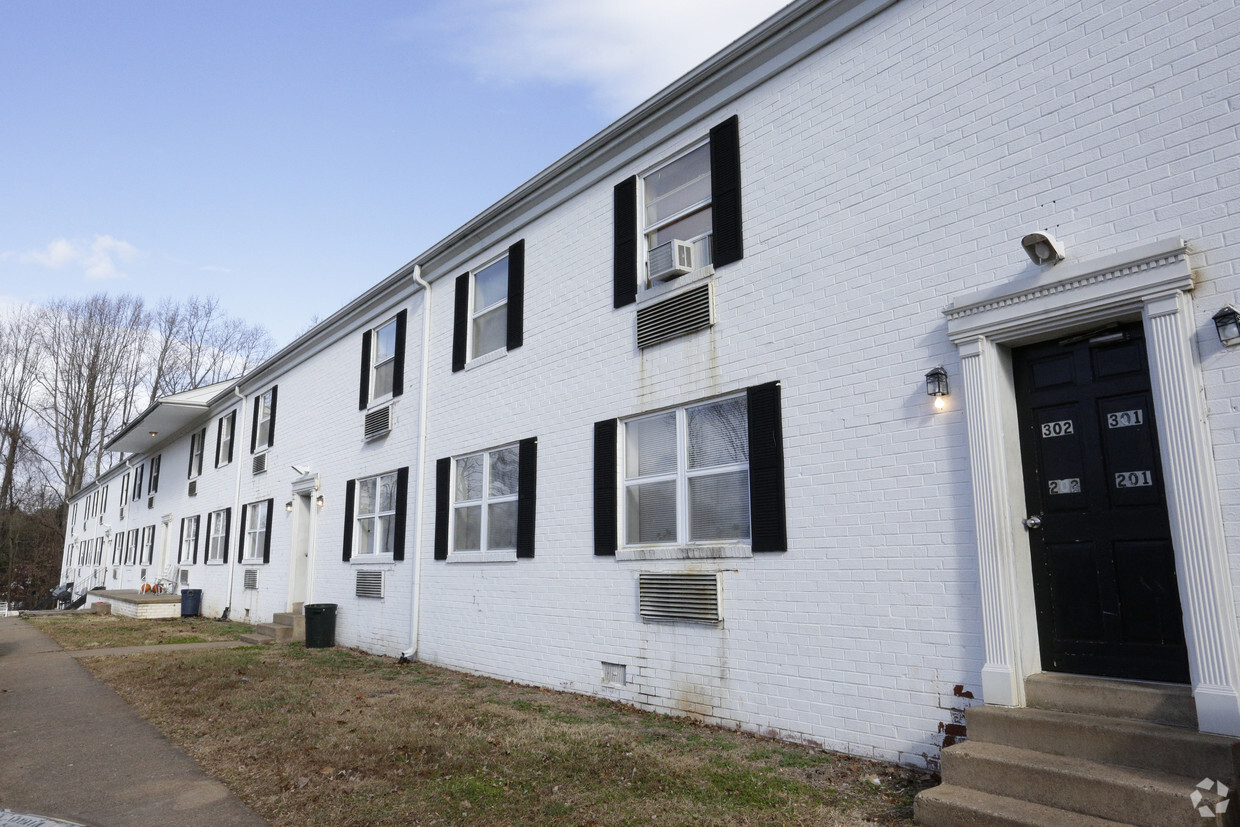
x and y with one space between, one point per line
1134 479
1125 419
1057 428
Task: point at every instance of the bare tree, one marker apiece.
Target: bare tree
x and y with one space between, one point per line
197 344
18 372
93 354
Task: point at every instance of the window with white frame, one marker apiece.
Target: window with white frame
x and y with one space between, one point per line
375 516
488 319
254 534
131 547
99 552
137 482
263 411
196 443
152 487
118 548
677 203
383 361
484 502
188 553
686 475
217 540
148 546
225 428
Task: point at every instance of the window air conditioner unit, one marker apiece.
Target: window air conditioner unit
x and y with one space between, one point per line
260 463
150 502
667 261
378 423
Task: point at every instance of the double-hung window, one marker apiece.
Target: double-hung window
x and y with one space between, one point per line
485 503
374 513
188 553
217 535
263 432
196 442
131 547
147 553
693 197
118 547
490 305
255 532
702 480
152 486
383 362
137 482
225 428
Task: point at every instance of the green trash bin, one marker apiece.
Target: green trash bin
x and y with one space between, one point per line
320 625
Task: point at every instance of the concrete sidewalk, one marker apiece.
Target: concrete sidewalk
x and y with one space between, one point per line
72 749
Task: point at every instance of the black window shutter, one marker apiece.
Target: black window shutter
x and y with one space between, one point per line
181 542
605 487
766 469
402 496
363 392
527 492
398 364
460 322
516 294
725 192
219 439
197 534
258 403
241 535
227 530
267 533
271 423
443 506
624 244
232 429
350 489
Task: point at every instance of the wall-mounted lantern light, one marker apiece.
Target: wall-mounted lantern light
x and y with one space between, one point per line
319 501
1227 321
288 506
936 386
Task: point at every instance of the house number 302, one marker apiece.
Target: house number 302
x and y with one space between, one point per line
1057 428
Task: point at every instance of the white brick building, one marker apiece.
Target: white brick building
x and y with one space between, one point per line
861 563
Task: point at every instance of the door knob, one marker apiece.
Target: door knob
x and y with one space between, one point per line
1032 522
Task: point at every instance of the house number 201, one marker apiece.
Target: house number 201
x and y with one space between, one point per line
1057 428
1134 479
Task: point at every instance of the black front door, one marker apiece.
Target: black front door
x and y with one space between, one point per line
1103 566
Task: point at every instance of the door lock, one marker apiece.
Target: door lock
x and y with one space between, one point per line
1032 522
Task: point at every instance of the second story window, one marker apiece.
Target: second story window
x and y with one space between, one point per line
152 486
196 441
137 482
383 362
262 435
490 305
225 429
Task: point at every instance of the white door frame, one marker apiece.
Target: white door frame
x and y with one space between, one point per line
1151 283
305 524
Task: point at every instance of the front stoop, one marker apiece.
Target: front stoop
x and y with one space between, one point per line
284 627
1086 751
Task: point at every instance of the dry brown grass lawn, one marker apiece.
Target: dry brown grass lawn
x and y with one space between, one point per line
85 630
338 737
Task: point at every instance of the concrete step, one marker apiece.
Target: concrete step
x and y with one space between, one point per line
275 631
1159 703
949 805
1144 797
296 621
1120 741
256 639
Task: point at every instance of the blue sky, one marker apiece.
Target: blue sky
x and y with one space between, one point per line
285 156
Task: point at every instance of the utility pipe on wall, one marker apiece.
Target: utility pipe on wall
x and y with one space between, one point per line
232 564
412 652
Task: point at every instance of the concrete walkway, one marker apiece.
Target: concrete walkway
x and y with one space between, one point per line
72 749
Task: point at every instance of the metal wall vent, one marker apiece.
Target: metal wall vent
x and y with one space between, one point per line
692 597
142 575
369 584
251 579
614 674
260 463
193 490
184 577
150 502
378 422
116 574
684 313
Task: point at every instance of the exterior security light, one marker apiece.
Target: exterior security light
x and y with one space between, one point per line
1042 248
319 501
936 386
288 506
153 433
1227 321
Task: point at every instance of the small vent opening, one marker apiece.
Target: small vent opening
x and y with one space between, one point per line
184 577
142 575
378 422
691 597
116 574
150 502
260 463
251 579
614 674
369 584
681 314
193 488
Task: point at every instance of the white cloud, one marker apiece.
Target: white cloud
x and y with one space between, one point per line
623 50
98 258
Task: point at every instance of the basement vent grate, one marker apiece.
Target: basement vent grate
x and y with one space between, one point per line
193 490
613 674
369 584
378 423
260 463
142 575
691 597
116 574
150 502
684 313
251 579
184 577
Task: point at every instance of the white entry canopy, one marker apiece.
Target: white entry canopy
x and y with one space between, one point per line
165 416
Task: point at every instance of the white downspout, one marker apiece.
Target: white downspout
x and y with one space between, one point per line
411 653
232 564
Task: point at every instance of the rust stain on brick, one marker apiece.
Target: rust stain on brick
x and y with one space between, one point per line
959 692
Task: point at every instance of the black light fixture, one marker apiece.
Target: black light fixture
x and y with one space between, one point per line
1227 321
936 386
288 506
319 501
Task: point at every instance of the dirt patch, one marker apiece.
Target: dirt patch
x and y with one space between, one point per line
92 631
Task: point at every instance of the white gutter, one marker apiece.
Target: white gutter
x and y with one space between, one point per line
411 653
232 564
